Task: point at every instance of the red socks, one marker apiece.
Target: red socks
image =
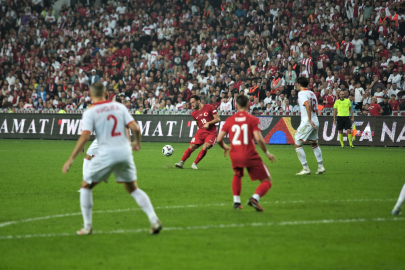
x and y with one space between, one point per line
263 188
200 156
236 185
186 154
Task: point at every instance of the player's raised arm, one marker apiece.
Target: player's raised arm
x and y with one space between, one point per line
257 134
220 141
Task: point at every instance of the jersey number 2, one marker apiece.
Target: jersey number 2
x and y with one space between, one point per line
113 133
313 105
237 129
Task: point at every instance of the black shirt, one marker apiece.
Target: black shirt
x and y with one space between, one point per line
387 109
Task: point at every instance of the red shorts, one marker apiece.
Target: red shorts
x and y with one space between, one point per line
257 170
203 136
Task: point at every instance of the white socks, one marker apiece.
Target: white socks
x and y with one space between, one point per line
236 199
318 155
86 204
401 198
144 202
257 196
302 157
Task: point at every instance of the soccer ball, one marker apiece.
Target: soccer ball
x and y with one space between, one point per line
167 150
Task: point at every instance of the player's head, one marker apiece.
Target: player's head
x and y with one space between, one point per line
342 95
302 83
97 90
242 103
195 102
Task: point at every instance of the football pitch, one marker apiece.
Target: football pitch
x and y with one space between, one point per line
338 220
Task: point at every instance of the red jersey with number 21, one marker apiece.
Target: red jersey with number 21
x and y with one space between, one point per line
205 115
240 128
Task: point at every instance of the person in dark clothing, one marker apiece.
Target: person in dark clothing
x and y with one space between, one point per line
386 106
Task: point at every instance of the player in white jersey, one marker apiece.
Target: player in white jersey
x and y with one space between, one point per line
308 129
109 120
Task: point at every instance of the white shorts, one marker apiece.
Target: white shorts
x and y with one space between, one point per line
101 167
93 148
306 132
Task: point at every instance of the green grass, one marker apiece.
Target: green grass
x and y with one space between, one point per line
360 185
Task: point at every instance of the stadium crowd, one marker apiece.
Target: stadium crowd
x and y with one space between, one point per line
155 54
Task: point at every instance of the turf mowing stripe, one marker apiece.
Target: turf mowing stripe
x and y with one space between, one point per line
206 227
4 224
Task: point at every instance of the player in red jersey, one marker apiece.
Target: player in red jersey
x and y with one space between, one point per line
243 129
206 117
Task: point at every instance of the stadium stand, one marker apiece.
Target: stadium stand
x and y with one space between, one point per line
157 53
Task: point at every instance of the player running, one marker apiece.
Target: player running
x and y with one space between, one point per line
308 129
206 117
243 129
109 120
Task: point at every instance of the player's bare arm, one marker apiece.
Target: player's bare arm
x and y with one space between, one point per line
217 119
136 133
81 142
308 107
351 113
334 115
259 139
222 144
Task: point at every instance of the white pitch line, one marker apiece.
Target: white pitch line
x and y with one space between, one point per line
205 227
4 224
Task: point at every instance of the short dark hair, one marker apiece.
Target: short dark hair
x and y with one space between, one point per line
242 101
303 81
195 97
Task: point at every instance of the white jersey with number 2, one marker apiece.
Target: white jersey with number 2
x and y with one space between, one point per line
305 96
108 120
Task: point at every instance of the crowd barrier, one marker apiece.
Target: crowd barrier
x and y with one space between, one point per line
371 131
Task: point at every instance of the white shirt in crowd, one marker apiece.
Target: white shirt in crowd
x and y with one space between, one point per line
357 45
394 79
226 106
379 96
358 94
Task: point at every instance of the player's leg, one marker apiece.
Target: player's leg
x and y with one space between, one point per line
342 144
86 162
201 155
86 205
125 173
259 171
209 141
348 127
96 171
350 137
237 186
187 153
318 156
301 136
142 199
400 202
340 126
